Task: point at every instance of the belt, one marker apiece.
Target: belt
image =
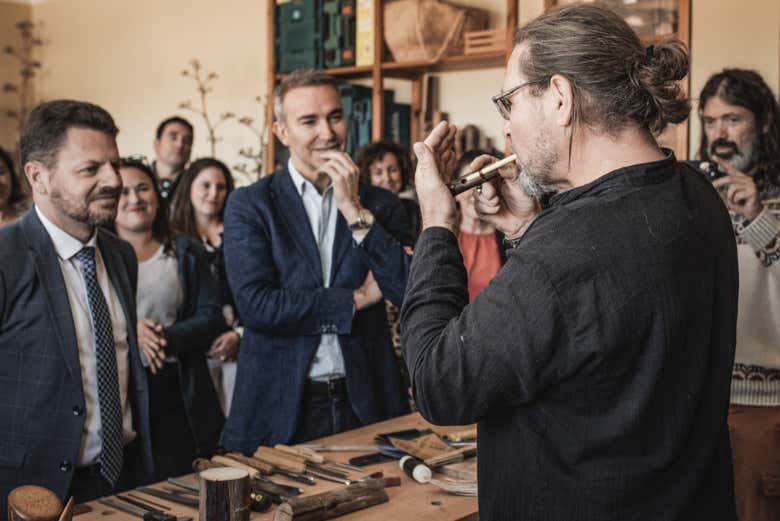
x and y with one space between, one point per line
330 389
87 471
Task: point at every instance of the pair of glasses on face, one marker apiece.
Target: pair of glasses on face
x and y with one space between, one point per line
503 100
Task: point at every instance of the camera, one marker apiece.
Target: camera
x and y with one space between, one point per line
711 170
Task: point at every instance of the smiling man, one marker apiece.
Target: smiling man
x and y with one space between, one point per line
310 255
741 122
73 394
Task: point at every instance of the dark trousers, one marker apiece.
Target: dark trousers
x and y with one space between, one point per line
173 445
325 411
88 484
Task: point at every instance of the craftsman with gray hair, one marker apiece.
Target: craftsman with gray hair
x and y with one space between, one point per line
598 360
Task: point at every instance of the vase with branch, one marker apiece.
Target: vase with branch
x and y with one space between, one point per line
28 66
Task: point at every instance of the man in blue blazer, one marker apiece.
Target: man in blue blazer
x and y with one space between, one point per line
73 394
310 256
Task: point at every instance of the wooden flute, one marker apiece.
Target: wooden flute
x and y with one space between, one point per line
483 175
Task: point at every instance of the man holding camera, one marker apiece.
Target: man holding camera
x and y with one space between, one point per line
740 147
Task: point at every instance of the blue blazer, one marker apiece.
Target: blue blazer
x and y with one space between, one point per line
273 267
41 399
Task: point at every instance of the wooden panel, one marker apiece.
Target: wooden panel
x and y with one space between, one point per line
378 93
270 84
411 501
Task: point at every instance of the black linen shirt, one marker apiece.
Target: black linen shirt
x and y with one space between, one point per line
598 360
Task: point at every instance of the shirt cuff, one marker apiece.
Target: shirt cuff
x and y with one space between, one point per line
761 231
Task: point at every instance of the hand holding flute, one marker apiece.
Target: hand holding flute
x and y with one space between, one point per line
501 202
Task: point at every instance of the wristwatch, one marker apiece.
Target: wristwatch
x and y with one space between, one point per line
364 221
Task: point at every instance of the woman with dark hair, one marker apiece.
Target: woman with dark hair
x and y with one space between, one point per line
386 164
481 244
178 319
12 199
198 208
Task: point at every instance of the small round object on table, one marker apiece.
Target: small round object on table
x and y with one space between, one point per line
33 503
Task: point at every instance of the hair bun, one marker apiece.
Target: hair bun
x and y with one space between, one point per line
658 73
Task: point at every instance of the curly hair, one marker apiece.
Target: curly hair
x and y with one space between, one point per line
376 151
746 88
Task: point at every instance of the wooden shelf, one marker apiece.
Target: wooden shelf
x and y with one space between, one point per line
344 72
412 71
471 61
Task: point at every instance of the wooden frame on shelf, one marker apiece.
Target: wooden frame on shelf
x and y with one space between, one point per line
412 71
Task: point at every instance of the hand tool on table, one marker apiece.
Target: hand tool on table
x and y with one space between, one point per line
168 496
265 468
313 457
185 484
341 448
298 464
180 491
140 504
146 515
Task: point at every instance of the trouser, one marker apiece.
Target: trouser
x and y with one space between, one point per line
87 483
325 410
755 447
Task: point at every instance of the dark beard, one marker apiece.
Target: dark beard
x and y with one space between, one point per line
80 212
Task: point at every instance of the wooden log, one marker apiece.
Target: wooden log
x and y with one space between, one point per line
33 503
224 495
333 503
280 459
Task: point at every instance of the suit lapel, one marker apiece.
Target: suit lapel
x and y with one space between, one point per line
47 267
341 244
290 207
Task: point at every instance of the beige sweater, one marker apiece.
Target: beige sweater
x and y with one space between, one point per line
756 376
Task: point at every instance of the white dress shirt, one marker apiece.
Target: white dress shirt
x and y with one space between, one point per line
67 247
321 209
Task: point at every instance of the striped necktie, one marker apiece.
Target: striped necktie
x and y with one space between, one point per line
107 377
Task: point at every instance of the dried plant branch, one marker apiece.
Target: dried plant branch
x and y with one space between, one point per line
203 88
28 67
259 129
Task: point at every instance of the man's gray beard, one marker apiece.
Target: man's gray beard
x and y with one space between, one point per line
533 186
743 161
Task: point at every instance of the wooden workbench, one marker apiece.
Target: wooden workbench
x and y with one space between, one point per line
409 502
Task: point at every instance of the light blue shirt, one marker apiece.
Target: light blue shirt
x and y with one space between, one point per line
321 210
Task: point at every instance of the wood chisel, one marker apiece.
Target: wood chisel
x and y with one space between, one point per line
146 515
168 496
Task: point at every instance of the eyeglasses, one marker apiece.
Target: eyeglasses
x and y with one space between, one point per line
503 102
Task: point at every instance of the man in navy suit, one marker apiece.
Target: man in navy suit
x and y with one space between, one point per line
73 394
310 256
